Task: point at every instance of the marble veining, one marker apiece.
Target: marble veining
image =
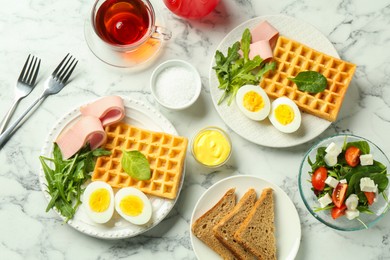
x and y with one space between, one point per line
360 32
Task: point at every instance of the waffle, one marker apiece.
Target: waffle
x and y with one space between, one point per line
165 153
293 57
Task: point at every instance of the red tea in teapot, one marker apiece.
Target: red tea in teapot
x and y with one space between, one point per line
123 22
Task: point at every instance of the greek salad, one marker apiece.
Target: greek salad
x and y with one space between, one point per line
347 180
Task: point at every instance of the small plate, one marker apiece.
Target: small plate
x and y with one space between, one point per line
137 114
287 224
264 133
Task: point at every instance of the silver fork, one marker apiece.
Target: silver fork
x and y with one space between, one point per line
24 86
54 84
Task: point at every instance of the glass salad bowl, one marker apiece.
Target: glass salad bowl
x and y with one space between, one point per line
344 216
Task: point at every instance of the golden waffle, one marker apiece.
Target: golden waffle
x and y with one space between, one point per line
165 153
293 57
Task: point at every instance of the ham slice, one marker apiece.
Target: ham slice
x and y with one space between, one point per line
265 32
108 109
261 48
86 129
264 37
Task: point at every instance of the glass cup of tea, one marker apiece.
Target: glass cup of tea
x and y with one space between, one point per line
124 25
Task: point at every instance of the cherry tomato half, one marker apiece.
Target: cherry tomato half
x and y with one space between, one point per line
370 197
352 156
318 178
338 212
338 195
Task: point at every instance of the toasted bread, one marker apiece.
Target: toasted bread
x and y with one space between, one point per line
257 232
229 224
202 228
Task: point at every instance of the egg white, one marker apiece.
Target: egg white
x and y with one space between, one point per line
98 217
257 115
146 213
295 124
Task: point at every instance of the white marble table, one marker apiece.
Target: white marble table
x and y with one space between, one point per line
49 29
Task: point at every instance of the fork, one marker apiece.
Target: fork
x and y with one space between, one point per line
54 84
24 86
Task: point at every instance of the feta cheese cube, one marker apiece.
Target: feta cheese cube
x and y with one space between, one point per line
343 181
332 182
330 159
352 201
333 149
368 185
351 213
325 200
366 159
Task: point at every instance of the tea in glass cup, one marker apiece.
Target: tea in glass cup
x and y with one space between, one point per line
126 24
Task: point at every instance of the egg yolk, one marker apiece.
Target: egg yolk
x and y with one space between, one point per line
131 205
99 200
252 101
284 114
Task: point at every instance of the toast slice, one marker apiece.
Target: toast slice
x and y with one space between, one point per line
229 224
203 226
257 232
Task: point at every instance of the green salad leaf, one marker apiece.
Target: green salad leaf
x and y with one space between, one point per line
64 180
136 165
310 81
233 70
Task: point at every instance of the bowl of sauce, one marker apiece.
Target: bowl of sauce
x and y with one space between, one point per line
211 147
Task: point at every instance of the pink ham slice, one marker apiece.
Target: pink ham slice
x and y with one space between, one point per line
264 37
108 109
86 129
265 32
261 48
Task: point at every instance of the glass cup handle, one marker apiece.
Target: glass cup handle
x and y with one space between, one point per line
161 33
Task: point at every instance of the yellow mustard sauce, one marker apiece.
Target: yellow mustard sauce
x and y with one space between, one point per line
211 147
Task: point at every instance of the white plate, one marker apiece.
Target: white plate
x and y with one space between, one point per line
287 224
264 133
140 115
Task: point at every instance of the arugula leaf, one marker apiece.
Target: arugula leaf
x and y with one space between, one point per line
64 180
310 81
234 71
136 165
245 44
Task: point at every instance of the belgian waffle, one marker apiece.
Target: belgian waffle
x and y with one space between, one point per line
293 57
165 153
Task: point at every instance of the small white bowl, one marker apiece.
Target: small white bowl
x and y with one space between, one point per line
175 84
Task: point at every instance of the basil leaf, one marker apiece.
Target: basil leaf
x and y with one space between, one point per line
135 164
310 81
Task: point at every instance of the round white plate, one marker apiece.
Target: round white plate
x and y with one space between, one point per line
264 133
287 224
140 115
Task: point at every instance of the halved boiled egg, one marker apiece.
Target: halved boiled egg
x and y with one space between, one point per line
253 102
285 115
133 205
98 201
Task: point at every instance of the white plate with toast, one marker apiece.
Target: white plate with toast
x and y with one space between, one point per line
140 115
287 223
263 132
